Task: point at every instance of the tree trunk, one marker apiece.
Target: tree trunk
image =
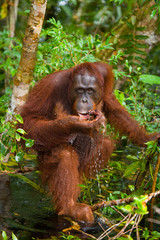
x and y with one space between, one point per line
13 16
28 57
13 8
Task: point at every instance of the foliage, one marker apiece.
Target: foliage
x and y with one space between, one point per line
10 137
133 46
156 10
5 101
150 79
68 237
61 48
4 236
137 206
10 56
94 16
151 236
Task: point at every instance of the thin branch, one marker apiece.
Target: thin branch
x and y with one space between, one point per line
21 170
106 221
127 219
131 218
109 230
121 201
116 210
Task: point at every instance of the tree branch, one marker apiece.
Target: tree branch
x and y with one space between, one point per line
121 201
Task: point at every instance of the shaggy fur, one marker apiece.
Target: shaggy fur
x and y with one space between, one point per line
68 146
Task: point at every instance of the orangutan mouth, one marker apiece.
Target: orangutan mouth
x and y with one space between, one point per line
90 115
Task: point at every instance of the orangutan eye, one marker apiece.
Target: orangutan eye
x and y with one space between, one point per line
80 90
90 90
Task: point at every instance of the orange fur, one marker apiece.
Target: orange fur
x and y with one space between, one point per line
69 146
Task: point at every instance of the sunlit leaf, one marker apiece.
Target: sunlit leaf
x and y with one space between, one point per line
153 13
14 237
150 79
4 235
126 208
4 10
20 130
14 148
141 205
82 186
18 137
19 118
125 238
131 187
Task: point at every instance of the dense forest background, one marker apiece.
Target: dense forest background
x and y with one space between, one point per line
126 34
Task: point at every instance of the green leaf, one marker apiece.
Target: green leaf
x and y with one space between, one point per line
131 157
141 37
127 208
14 237
125 238
14 148
127 36
140 45
130 25
19 156
141 206
82 186
20 130
156 234
127 45
140 52
145 233
3 149
18 137
4 235
29 143
133 20
131 168
150 79
153 13
140 59
2 129
131 187
106 47
19 118
140 28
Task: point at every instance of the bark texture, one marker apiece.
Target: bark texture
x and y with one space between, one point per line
13 16
28 58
